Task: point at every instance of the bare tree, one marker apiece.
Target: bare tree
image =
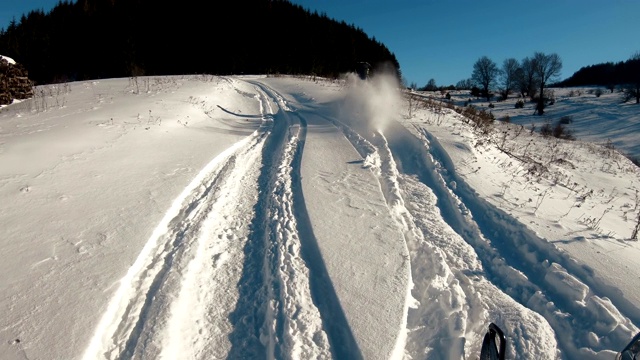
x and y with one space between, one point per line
546 67
508 76
526 78
431 85
485 73
465 84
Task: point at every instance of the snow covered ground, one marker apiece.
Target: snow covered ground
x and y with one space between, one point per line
200 217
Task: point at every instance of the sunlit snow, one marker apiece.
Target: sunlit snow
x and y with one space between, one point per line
201 217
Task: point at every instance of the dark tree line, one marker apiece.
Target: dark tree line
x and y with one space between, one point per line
90 39
624 75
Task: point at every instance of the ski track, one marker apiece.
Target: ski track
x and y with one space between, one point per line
215 280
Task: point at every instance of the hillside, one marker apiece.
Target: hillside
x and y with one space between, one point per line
589 113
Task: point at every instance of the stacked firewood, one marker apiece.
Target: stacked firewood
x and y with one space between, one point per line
14 82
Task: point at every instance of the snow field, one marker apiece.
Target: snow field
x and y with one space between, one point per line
329 224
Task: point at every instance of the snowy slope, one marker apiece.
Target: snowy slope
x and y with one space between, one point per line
204 217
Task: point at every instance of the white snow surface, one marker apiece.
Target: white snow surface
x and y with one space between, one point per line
205 217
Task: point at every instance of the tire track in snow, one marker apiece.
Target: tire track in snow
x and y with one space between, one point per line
443 334
276 309
414 159
373 148
341 338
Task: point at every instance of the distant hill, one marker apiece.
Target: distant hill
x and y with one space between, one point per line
90 39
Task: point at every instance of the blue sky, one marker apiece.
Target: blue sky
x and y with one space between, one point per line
441 39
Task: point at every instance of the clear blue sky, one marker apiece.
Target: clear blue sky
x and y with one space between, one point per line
441 39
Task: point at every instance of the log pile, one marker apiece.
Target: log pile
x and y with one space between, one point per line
14 82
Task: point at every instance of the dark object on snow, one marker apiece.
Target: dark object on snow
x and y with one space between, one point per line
14 82
363 69
489 349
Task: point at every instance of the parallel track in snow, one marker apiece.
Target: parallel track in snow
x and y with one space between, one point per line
513 259
160 286
224 273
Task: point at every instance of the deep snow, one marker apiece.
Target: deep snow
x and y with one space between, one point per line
292 217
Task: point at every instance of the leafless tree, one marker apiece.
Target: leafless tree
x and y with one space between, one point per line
431 85
546 67
464 84
526 78
508 76
485 73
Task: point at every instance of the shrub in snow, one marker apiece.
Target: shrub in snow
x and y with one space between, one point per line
566 120
561 132
475 91
550 97
631 92
558 131
546 129
519 104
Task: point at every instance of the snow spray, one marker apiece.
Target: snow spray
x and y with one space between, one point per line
373 103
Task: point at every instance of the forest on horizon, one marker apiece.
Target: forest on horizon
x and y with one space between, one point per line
92 39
